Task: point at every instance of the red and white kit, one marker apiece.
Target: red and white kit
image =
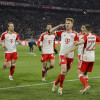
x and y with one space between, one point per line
88 56
67 42
80 48
48 44
9 41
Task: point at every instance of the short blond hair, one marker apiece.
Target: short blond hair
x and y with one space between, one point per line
70 19
9 24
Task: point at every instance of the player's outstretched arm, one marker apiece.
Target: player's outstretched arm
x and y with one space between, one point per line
72 49
79 42
52 30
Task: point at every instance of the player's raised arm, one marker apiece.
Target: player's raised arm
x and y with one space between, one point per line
52 30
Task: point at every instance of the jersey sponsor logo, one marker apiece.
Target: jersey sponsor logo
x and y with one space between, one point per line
11 40
72 36
67 40
49 41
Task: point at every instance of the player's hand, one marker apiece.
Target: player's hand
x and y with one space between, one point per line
5 49
61 25
66 54
76 43
3 46
55 51
40 48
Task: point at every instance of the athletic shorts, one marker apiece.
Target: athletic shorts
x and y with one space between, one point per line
85 66
10 56
67 61
46 57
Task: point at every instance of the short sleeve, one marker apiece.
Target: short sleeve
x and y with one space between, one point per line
3 36
41 37
17 37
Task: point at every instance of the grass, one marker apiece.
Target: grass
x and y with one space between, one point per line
28 72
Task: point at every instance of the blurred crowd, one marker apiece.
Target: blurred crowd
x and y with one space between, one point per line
84 4
33 22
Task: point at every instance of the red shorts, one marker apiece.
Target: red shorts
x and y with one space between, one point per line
67 61
10 56
46 57
85 66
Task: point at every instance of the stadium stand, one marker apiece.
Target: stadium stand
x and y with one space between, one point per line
32 22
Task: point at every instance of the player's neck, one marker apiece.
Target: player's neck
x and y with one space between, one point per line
69 30
10 32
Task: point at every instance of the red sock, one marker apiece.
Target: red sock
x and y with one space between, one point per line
43 74
58 79
83 80
86 79
12 69
62 80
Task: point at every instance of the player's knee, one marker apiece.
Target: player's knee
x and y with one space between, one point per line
12 64
63 72
8 66
44 68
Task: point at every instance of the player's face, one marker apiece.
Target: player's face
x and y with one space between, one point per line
48 27
11 27
83 29
68 25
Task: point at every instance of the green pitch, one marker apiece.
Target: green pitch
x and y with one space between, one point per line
27 84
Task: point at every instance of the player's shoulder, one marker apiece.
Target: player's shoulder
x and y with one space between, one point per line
44 33
94 34
4 32
76 33
15 33
80 33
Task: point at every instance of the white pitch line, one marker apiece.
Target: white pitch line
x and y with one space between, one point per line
44 83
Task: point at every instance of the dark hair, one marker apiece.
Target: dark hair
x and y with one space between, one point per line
9 24
88 27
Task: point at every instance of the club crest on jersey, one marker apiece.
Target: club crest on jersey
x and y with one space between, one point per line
72 36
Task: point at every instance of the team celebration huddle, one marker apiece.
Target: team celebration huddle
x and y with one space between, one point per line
85 41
